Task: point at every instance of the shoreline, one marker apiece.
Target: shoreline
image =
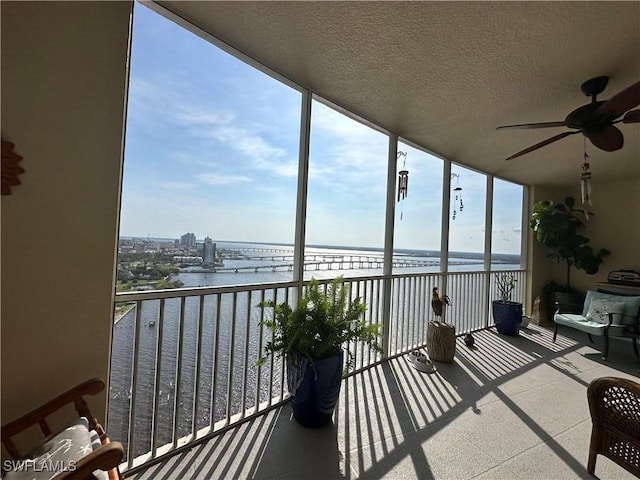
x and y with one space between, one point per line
120 314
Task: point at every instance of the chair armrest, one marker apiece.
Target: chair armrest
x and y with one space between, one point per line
632 327
105 458
601 388
38 416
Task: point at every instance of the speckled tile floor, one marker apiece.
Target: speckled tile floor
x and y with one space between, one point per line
511 408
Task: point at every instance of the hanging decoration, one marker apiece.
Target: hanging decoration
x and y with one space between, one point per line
585 179
403 180
458 205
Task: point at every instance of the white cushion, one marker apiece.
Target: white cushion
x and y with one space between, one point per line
55 453
599 310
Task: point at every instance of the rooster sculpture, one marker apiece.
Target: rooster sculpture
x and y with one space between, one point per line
438 302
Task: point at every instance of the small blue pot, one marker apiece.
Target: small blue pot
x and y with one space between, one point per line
507 317
317 392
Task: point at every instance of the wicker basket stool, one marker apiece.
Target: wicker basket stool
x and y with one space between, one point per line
441 341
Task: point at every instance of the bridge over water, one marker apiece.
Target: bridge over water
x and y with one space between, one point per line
282 260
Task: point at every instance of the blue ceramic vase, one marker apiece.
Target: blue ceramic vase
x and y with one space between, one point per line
314 388
507 317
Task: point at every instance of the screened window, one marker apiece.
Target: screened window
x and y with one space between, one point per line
346 192
506 232
212 149
467 219
418 217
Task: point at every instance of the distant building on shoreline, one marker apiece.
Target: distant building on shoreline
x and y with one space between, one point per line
209 253
188 240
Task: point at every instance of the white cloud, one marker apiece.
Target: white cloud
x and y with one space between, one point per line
222 179
175 185
195 116
262 154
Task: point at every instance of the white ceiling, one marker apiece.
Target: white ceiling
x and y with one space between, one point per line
445 74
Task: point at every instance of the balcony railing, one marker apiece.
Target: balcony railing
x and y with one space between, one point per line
184 361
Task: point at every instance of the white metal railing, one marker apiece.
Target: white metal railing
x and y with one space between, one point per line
184 361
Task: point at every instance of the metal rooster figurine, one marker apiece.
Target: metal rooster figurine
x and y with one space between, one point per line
438 302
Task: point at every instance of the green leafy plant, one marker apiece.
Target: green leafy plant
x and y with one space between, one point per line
557 227
320 325
506 283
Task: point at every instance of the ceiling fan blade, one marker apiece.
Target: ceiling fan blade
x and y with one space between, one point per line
632 116
623 101
534 125
609 140
542 144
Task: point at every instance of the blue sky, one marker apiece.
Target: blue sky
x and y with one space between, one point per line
212 148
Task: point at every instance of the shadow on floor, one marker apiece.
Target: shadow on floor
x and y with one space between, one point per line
473 417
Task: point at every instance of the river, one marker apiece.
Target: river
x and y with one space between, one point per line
217 347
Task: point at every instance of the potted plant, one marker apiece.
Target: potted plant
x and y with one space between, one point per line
507 315
557 226
312 337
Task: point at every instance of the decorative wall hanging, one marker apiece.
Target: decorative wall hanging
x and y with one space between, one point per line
10 167
403 180
585 179
458 205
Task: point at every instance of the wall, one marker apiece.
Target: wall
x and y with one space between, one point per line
615 226
63 96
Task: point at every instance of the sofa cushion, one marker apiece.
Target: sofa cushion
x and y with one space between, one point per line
585 325
631 305
56 453
600 308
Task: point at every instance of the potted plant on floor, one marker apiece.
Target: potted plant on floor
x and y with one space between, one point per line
558 227
312 337
507 315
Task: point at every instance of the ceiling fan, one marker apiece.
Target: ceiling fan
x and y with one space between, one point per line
595 120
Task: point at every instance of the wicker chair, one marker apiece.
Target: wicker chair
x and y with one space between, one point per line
614 404
99 461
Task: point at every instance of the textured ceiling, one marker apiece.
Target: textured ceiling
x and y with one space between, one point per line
445 74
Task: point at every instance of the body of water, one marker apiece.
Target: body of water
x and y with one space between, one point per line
228 350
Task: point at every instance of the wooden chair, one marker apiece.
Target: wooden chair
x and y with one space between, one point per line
100 461
614 404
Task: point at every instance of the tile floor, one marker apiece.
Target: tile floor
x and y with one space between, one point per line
510 408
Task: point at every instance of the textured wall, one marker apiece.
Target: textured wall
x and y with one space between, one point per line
63 96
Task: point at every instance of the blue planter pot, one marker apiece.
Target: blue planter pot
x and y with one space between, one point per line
316 394
507 317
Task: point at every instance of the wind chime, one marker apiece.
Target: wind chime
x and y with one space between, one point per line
458 205
585 178
403 180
